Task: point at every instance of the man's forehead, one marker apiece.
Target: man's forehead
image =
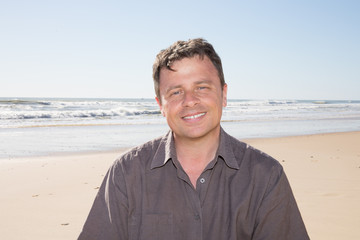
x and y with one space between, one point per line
188 61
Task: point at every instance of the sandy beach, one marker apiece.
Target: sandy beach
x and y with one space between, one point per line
50 197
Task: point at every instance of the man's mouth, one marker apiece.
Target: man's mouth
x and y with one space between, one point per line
194 116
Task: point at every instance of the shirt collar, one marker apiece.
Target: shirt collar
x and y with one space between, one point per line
225 150
166 151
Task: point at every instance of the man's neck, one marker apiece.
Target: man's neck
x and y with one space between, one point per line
195 154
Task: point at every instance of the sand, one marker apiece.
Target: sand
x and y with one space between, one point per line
50 197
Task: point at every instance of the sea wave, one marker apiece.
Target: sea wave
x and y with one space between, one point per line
30 112
75 114
23 102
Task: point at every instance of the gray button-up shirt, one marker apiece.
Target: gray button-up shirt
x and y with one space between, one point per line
242 194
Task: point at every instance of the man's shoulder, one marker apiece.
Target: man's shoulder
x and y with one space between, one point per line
141 154
249 156
261 159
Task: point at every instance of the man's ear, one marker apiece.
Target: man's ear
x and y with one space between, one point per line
160 106
224 95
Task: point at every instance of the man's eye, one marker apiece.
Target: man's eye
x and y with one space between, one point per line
202 88
175 93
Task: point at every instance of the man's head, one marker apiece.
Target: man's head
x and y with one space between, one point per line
190 89
185 49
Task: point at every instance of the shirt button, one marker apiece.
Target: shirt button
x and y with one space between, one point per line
202 180
197 217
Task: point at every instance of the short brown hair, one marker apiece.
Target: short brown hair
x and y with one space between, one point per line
185 49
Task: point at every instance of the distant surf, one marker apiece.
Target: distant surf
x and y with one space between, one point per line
38 126
32 112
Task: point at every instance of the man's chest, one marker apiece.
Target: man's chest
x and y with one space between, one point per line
168 204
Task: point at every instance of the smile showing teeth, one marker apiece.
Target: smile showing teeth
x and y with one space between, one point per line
195 116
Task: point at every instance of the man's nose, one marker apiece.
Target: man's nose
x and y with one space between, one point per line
190 99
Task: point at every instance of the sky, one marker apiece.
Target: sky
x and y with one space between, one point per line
306 49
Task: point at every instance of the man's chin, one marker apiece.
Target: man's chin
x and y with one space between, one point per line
194 134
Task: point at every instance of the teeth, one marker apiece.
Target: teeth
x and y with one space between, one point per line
195 116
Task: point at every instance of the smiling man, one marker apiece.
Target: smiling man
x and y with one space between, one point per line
195 182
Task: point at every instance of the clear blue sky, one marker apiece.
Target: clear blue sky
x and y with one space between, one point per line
270 49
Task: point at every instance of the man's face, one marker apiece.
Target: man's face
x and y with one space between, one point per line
192 98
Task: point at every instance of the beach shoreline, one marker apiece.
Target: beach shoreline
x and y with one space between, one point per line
49 197
43 126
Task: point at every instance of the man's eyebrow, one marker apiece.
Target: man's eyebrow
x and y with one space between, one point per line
203 81
196 83
172 87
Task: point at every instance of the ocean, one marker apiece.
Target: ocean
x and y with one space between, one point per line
45 126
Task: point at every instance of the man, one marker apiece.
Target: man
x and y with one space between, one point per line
196 182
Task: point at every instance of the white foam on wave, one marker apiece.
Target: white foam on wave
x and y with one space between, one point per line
45 112
41 126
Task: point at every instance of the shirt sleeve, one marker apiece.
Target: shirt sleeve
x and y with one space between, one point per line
278 216
108 217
